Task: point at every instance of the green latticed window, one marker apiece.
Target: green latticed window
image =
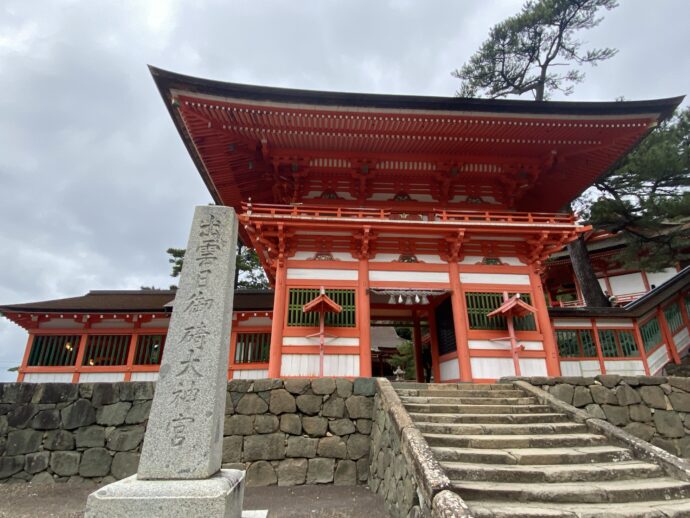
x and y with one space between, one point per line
298 297
651 334
673 317
687 303
53 351
576 343
106 350
149 350
479 305
617 343
252 347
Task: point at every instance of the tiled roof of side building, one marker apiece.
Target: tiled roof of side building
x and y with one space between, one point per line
135 300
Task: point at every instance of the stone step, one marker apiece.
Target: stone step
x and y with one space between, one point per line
490 418
432 408
461 393
647 509
501 429
515 441
533 456
616 491
533 474
461 400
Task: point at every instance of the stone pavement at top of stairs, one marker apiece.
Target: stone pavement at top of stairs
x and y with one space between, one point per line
66 500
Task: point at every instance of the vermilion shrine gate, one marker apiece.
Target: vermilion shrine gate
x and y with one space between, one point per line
418 210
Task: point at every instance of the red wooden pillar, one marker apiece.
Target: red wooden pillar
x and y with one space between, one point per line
640 346
668 337
597 343
553 367
279 307
645 280
459 322
233 348
418 359
25 358
364 313
130 353
80 356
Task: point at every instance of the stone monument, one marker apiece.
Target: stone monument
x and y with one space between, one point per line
179 471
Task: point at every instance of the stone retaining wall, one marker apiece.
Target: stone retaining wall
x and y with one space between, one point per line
284 432
299 431
654 408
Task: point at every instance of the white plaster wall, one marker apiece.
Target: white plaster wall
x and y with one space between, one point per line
449 370
112 323
322 274
144 376
682 340
250 374
571 368
628 283
657 360
60 323
572 322
658 278
533 366
156 322
255 322
101 377
290 341
625 367
492 368
590 368
341 365
580 368
494 278
299 365
48 377
504 345
407 276
614 322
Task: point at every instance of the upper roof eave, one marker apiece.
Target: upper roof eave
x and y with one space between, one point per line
167 81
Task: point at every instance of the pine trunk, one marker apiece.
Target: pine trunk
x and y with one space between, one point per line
589 285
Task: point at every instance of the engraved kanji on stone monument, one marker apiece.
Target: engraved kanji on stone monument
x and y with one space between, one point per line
184 436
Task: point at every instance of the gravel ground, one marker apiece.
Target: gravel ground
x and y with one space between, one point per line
67 501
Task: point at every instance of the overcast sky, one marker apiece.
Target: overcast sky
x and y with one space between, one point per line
95 184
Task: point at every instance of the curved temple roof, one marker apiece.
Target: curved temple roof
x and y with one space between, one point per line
246 139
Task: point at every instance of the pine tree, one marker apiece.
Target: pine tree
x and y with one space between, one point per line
248 271
524 54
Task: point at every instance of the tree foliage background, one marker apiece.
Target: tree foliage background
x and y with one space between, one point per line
646 198
248 271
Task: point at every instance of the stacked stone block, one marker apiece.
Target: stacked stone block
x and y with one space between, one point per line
654 408
285 432
58 431
299 431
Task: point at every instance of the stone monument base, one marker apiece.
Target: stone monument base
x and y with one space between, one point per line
220 496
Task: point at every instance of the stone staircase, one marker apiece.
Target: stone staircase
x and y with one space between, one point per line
509 456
